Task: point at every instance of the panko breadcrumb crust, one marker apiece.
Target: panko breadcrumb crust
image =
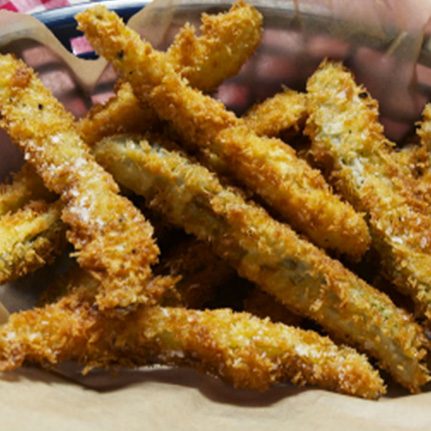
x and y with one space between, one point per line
23 187
269 253
225 37
273 116
104 226
348 140
420 154
29 239
267 166
225 42
237 347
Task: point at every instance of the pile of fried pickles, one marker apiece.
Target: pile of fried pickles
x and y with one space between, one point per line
239 250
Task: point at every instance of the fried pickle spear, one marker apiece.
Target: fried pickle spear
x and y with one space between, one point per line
29 239
237 347
112 238
422 154
197 272
121 114
424 130
226 41
25 186
266 166
285 110
31 231
270 254
348 140
414 159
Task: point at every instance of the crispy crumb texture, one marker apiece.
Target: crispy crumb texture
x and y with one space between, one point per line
24 186
269 254
348 140
255 208
104 227
30 238
121 114
286 110
266 166
419 156
226 41
239 348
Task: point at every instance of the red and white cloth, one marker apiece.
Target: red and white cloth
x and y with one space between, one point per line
33 6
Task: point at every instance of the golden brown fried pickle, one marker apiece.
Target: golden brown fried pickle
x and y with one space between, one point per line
31 231
201 272
261 304
227 40
269 254
24 187
272 117
348 140
29 239
225 43
266 166
121 114
422 153
424 130
413 159
111 237
237 347
198 273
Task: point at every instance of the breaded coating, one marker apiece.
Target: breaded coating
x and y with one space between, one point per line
413 159
111 237
29 239
120 114
198 273
424 130
266 166
227 40
201 272
348 140
423 154
241 349
261 304
24 187
270 254
285 110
